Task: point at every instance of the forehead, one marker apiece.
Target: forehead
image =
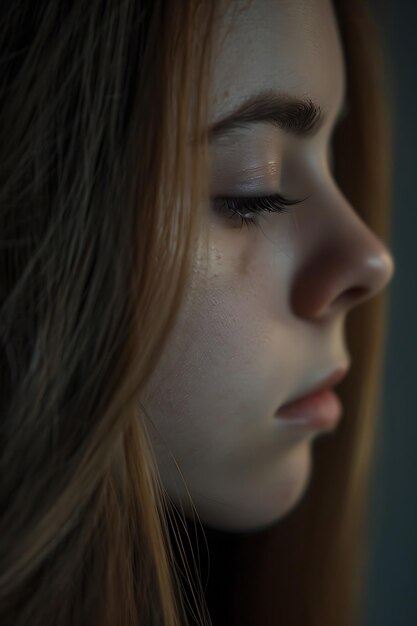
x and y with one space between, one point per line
287 45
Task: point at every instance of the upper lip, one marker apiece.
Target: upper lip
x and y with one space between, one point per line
332 380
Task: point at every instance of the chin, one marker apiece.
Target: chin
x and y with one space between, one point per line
259 503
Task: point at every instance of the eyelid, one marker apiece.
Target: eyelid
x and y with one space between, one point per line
251 208
247 172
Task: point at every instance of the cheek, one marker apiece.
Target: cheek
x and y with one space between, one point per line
212 399
217 378
212 354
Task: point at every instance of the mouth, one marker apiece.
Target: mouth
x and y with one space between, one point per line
319 408
327 383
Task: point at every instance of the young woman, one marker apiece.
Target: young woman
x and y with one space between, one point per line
194 234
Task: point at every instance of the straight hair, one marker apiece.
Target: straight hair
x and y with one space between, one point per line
103 200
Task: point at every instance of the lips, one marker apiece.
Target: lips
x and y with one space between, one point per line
327 383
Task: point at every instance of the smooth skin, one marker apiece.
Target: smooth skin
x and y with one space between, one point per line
265 316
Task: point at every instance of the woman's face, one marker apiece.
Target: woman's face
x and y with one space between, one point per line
266 320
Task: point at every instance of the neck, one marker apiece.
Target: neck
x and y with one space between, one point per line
215 557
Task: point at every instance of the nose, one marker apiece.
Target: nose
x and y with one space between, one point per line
346 266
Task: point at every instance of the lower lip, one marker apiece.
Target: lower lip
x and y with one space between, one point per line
319 411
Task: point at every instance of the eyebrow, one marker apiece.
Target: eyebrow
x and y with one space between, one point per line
301 117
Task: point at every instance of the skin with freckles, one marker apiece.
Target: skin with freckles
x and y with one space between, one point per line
264 317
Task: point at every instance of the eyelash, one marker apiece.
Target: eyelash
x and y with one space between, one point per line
275 203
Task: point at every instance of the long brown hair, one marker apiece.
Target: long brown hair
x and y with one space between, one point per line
99 195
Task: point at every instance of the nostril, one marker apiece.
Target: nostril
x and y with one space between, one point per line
351 297
356 292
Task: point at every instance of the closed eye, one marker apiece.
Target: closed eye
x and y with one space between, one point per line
249 208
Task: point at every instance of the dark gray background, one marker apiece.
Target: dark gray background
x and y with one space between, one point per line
392 591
